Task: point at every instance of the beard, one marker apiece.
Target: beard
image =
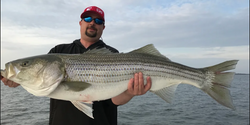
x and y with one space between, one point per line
91 34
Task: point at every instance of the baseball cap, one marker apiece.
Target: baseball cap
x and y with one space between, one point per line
94 9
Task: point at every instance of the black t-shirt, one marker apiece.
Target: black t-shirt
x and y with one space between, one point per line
65 113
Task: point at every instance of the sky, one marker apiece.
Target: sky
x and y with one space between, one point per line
196 33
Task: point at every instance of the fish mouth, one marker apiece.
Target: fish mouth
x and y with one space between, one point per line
3 72
10 71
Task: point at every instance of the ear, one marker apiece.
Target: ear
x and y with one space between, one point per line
103 27
80 22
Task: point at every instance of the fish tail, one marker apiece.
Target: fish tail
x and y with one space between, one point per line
221 82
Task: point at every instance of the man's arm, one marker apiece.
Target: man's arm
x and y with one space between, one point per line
135 87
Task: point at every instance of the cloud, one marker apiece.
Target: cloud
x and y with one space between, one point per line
235 52
181 29
184 28
12 33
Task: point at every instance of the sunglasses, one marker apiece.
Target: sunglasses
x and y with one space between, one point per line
96 20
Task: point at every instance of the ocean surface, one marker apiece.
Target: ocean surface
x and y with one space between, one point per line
191 106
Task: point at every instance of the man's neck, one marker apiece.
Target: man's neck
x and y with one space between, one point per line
86 44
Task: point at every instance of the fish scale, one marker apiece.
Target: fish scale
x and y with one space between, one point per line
99 74
101 68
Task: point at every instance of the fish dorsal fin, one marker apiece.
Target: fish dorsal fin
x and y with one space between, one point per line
99 51
149 49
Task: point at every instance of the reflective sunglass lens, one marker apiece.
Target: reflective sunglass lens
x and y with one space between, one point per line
98 21
88 19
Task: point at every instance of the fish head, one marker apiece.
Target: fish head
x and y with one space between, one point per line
39 75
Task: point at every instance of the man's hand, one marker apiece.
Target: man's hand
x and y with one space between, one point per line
9 82
135 87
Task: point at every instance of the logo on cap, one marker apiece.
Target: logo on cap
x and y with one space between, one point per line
99 11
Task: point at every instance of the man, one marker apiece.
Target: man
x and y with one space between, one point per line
105 112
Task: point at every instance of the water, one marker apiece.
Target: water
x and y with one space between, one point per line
190 106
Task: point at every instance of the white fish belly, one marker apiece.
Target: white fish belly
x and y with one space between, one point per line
160 83
95 92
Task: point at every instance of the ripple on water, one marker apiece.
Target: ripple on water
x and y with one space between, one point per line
190 106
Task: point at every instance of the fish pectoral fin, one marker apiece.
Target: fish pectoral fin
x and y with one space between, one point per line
88 102
76 85
85 108
167 93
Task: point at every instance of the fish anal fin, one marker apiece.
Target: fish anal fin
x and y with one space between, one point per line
167 93
85 108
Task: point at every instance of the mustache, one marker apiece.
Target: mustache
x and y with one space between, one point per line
92 27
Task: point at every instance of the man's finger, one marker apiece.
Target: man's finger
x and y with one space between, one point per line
5 81
15 85
131 84
141 84
148 85
9 83
136 83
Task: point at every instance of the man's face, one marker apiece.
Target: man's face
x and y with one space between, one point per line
90 30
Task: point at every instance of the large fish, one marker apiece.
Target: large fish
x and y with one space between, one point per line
99 74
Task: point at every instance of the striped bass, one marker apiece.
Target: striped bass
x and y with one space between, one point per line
99 74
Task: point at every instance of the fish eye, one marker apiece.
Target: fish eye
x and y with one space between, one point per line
25 63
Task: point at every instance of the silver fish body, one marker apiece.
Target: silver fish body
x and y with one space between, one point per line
99 75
